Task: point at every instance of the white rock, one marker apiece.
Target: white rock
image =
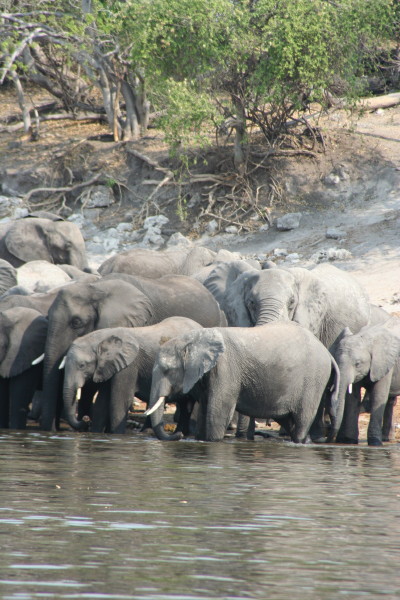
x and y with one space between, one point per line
331 254
212 226
334 234
231 229
124 227
293 257
332 179
280 252
177 239
288 221
264 227
156 221
100 196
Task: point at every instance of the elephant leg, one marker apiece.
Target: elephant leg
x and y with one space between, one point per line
245 427
22 389
379 394
122 388
318 427
101 409
185 415
348 432
387 427
4 403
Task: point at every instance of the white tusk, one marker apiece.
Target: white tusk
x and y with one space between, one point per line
95 397
62 363
38 360
350 388
78 394
160 401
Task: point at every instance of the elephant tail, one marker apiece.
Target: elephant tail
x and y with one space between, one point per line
336 402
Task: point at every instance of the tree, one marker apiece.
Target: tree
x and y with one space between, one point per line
69 48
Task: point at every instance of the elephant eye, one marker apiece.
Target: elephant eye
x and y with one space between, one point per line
76 323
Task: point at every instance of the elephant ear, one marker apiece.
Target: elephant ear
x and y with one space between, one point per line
311 310
28 332
8 276
200 355
26 240
385 352
120 304
343 335
114 353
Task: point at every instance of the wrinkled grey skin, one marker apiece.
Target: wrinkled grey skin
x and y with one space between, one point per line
8 276
156 263
31 238
219 277
80 308
124 356
276 371
370 359
22 340
324 299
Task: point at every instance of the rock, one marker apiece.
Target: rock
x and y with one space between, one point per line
288 221
212 226
177 239
294 257
334 234
332 179
12 208
231 229
264 227
101 196
331 254
280 252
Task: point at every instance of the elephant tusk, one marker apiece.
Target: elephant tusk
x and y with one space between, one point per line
62 363
78 394
38 360
150 411
350 388
95 397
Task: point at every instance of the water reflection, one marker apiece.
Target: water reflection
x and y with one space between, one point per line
85 516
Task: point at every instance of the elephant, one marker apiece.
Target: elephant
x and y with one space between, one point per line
22 340
42 276
277 371
32 238
123 357
156 263
370 359
82 307
324 299
8 276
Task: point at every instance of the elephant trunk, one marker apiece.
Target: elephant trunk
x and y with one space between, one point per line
56 347
156 410
70 396
346 405
269 311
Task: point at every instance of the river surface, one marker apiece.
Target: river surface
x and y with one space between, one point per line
131 518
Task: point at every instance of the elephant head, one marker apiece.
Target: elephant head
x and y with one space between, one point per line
372 352
78 309
324 300
58 242
97 356
22 340
180 364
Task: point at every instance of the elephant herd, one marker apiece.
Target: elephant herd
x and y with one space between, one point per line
213 333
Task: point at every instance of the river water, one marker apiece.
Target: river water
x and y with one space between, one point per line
131 518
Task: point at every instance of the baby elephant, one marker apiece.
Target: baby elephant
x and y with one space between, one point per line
370 359
120 361
275 371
